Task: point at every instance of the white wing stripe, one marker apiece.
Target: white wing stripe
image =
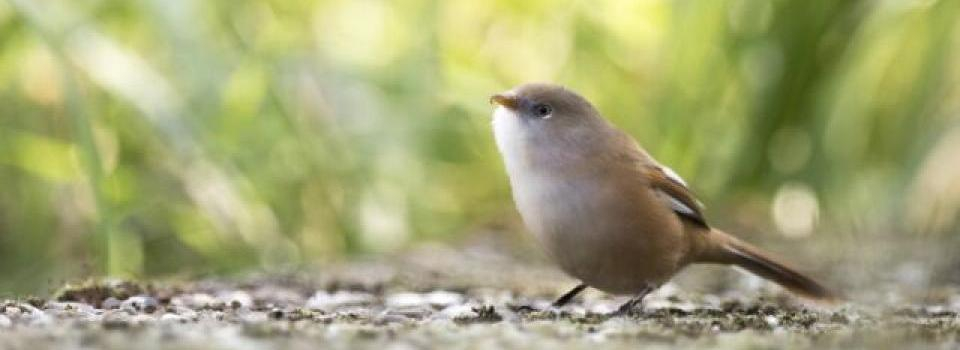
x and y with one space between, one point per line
673 175
677 205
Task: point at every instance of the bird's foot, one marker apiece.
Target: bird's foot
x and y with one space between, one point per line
534 312
628 308
634 305
554 310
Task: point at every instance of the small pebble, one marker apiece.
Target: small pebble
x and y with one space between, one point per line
186 313
254 317
116 320
143 319
140 303
441 299
603 307
26 307
772 321
11 311
111 303
386 318
322 300
70 306
462 311
236 299
276 314
416 312
400 300
173 318
438 299
277 294
354 312
40 319
198 301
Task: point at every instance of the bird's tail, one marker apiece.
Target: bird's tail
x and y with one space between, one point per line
725 249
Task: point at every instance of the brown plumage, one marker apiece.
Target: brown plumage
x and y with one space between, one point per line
660 181
733 251
605 210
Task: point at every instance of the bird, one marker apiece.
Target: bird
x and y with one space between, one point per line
604 209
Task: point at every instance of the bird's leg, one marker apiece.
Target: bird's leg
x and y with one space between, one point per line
555 306
633 303
566 297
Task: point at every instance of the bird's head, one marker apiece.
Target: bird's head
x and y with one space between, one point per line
546 115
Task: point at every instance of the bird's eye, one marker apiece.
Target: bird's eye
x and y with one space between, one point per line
542 110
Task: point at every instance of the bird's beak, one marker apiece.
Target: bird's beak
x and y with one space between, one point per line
508 101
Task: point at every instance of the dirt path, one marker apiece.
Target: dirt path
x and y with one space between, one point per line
449 301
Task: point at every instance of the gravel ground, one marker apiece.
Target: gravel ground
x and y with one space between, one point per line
439 298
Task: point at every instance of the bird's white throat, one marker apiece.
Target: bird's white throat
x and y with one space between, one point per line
509 134
531 186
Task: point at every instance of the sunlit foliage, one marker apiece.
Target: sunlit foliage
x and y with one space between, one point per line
153 137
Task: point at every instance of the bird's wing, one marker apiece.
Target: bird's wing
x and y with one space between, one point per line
674 191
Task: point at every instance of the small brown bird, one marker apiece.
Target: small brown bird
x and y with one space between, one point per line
605 210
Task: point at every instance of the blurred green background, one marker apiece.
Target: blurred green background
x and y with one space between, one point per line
158 137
